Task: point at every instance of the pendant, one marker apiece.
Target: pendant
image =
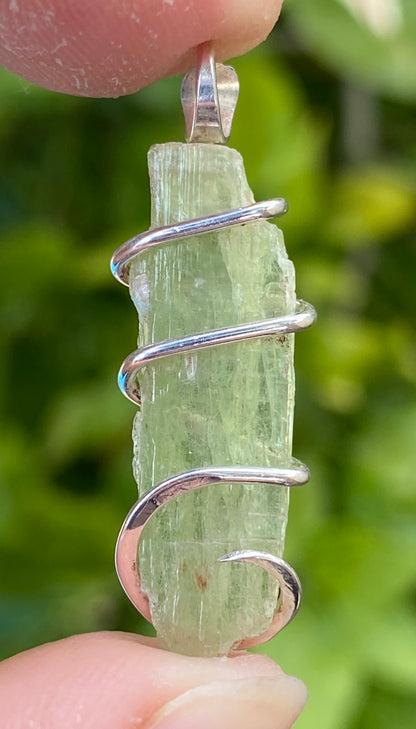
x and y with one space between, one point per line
200 553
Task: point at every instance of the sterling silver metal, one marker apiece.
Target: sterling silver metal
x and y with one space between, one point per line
290 591
209 96
123 256
208 113
295 474
128 542
303 317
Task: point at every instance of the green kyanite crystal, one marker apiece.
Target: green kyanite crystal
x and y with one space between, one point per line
224 406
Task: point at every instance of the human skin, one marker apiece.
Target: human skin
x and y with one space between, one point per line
123 681
115 47
106 48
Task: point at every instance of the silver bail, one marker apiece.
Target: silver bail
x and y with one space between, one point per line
209 96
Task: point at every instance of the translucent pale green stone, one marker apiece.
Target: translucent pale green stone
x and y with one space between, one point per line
229 405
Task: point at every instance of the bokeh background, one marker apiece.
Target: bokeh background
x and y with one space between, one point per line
327 119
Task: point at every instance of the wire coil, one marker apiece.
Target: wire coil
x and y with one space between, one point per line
295 474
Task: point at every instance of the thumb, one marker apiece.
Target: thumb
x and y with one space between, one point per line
117 680
264 703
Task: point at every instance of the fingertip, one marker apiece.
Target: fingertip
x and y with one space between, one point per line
106 48
263 703
107 680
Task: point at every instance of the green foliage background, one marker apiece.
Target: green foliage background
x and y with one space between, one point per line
326 118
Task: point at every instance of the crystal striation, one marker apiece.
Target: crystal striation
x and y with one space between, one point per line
224 406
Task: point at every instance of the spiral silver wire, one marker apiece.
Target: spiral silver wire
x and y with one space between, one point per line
209 96
295 474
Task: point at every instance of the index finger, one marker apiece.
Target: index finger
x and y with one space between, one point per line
108 48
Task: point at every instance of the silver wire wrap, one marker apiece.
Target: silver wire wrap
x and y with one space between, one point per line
295 474
209 96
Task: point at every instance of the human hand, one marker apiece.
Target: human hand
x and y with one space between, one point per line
115 47
121 681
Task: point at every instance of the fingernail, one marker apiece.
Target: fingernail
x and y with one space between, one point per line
263 703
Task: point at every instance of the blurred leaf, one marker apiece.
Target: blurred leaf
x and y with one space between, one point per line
384 708
330 283
34 259
383 462
280 140
86 419
345 351
370 205
371 43
38 517
401 344
391 652
356 564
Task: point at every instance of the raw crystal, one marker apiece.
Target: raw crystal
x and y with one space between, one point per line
228 405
